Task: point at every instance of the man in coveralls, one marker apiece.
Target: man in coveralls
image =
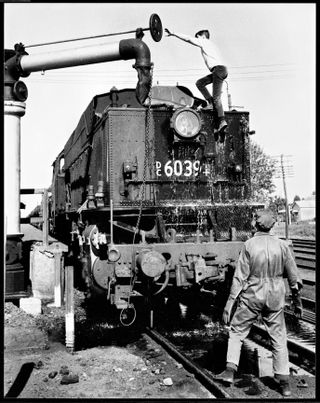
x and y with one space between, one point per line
259 283
218 72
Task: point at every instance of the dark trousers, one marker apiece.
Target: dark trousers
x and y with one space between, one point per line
216 77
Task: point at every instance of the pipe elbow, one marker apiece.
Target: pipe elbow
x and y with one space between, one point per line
137 49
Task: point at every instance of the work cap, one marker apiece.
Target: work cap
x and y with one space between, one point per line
265 219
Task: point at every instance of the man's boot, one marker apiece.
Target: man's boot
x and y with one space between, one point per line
226 376
285 388
209 105
222 125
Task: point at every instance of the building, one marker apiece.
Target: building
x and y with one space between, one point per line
303 210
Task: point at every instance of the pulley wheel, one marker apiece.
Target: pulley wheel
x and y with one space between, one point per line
155 26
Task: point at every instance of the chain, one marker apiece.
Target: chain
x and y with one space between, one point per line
146 163
144 176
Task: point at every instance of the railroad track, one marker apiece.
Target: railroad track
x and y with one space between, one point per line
305 253
305 243
300 347
204 376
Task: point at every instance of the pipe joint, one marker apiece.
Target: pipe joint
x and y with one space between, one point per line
136 48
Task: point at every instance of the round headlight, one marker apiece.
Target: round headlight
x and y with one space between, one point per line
186 123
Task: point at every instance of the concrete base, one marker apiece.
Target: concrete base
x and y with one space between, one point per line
31 305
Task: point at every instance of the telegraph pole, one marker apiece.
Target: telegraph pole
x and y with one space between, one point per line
285 170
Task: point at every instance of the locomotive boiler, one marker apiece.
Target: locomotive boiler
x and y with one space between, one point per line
149 197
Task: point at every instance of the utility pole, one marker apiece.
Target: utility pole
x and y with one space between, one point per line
285 170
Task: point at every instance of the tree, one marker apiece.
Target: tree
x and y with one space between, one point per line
296 198
277 203
262 171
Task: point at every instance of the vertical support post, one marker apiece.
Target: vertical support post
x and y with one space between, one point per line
14 276
13 111
286 199
151 319
45 216
57 279
211 239
69 308
111 221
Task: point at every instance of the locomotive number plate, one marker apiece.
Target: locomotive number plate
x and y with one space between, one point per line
178 168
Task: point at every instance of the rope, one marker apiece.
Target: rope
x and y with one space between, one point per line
78 39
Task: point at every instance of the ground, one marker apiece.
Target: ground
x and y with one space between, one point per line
140 369
137 369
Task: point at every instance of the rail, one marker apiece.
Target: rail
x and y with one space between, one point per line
203 375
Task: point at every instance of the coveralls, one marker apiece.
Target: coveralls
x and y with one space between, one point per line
259 279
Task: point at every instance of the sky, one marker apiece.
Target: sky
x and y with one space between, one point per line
269 49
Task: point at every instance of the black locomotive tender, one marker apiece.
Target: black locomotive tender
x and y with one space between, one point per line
153 198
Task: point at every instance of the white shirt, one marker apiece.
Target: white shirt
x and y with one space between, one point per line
209 50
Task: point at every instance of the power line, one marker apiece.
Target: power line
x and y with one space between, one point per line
174 72
186 79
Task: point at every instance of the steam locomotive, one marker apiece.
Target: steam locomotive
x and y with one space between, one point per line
150 197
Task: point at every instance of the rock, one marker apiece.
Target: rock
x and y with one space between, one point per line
117 369
53 374
178 365
64 370
253 390
167 382
67 379
38 365
162 371
152 381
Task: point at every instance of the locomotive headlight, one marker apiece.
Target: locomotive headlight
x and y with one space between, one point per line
186 123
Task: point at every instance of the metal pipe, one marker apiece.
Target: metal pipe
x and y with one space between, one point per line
70 57
13 111
45 216
111 221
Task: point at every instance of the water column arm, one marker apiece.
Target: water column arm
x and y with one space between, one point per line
23 64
